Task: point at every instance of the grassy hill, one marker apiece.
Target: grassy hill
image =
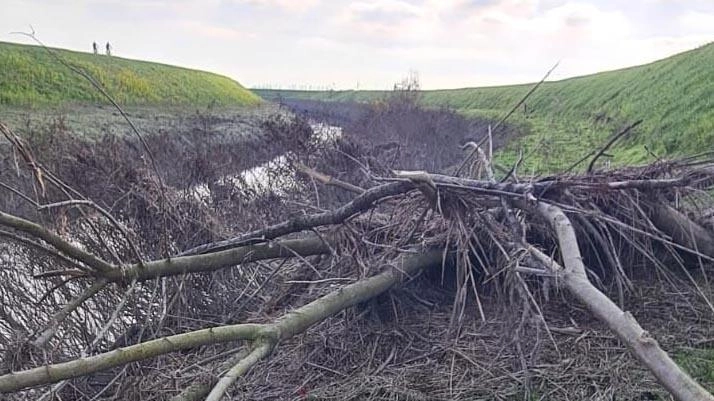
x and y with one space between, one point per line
30 76
566 119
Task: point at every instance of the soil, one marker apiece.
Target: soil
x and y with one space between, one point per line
96 121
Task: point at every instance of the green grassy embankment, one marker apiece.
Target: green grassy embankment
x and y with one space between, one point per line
31 76
567 119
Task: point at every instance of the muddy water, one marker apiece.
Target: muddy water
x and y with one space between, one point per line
269 175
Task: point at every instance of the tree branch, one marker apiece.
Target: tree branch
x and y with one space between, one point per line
328 179
86 202
55 240
26 241
640 342
218 260
609 143
121 356
240 368
199 390
285 327
306 222
62 314
682 230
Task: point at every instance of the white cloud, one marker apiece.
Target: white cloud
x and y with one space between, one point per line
697 21
382 22
213 31
289 5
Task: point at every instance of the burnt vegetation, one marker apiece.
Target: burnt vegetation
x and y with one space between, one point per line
327 271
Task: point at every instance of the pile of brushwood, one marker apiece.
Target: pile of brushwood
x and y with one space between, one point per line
336 275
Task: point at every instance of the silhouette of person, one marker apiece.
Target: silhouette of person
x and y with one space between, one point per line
109 49
94 47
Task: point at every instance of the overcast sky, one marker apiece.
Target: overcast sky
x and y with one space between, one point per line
373 43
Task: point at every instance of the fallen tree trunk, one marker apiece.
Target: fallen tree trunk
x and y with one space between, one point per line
642 345
682 229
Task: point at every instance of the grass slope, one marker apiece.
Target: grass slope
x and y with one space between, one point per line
30 76
567 119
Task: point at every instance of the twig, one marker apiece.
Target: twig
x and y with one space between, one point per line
115 314
49 292
327 179
20 194
56 241
504 118
199 390
609 143
512 171
86 202
62 314
42 248
260 352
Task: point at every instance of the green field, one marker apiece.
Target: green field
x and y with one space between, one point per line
567 119
31 76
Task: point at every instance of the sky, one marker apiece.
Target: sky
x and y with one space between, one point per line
371 44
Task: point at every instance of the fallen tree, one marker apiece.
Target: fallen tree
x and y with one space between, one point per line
516 236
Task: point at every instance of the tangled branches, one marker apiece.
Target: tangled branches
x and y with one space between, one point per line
257 283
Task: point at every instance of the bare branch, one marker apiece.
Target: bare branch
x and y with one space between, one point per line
505 117
20 194
62 314
86 202
41 247
283 328
640 342
240 368
199 390
359 204
328 180
609 143
218 260
121 356
55 240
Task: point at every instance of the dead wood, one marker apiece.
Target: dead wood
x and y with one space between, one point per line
640 342
302 244
301 223
269 334
682 230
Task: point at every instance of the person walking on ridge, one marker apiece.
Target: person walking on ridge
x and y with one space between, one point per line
109 49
